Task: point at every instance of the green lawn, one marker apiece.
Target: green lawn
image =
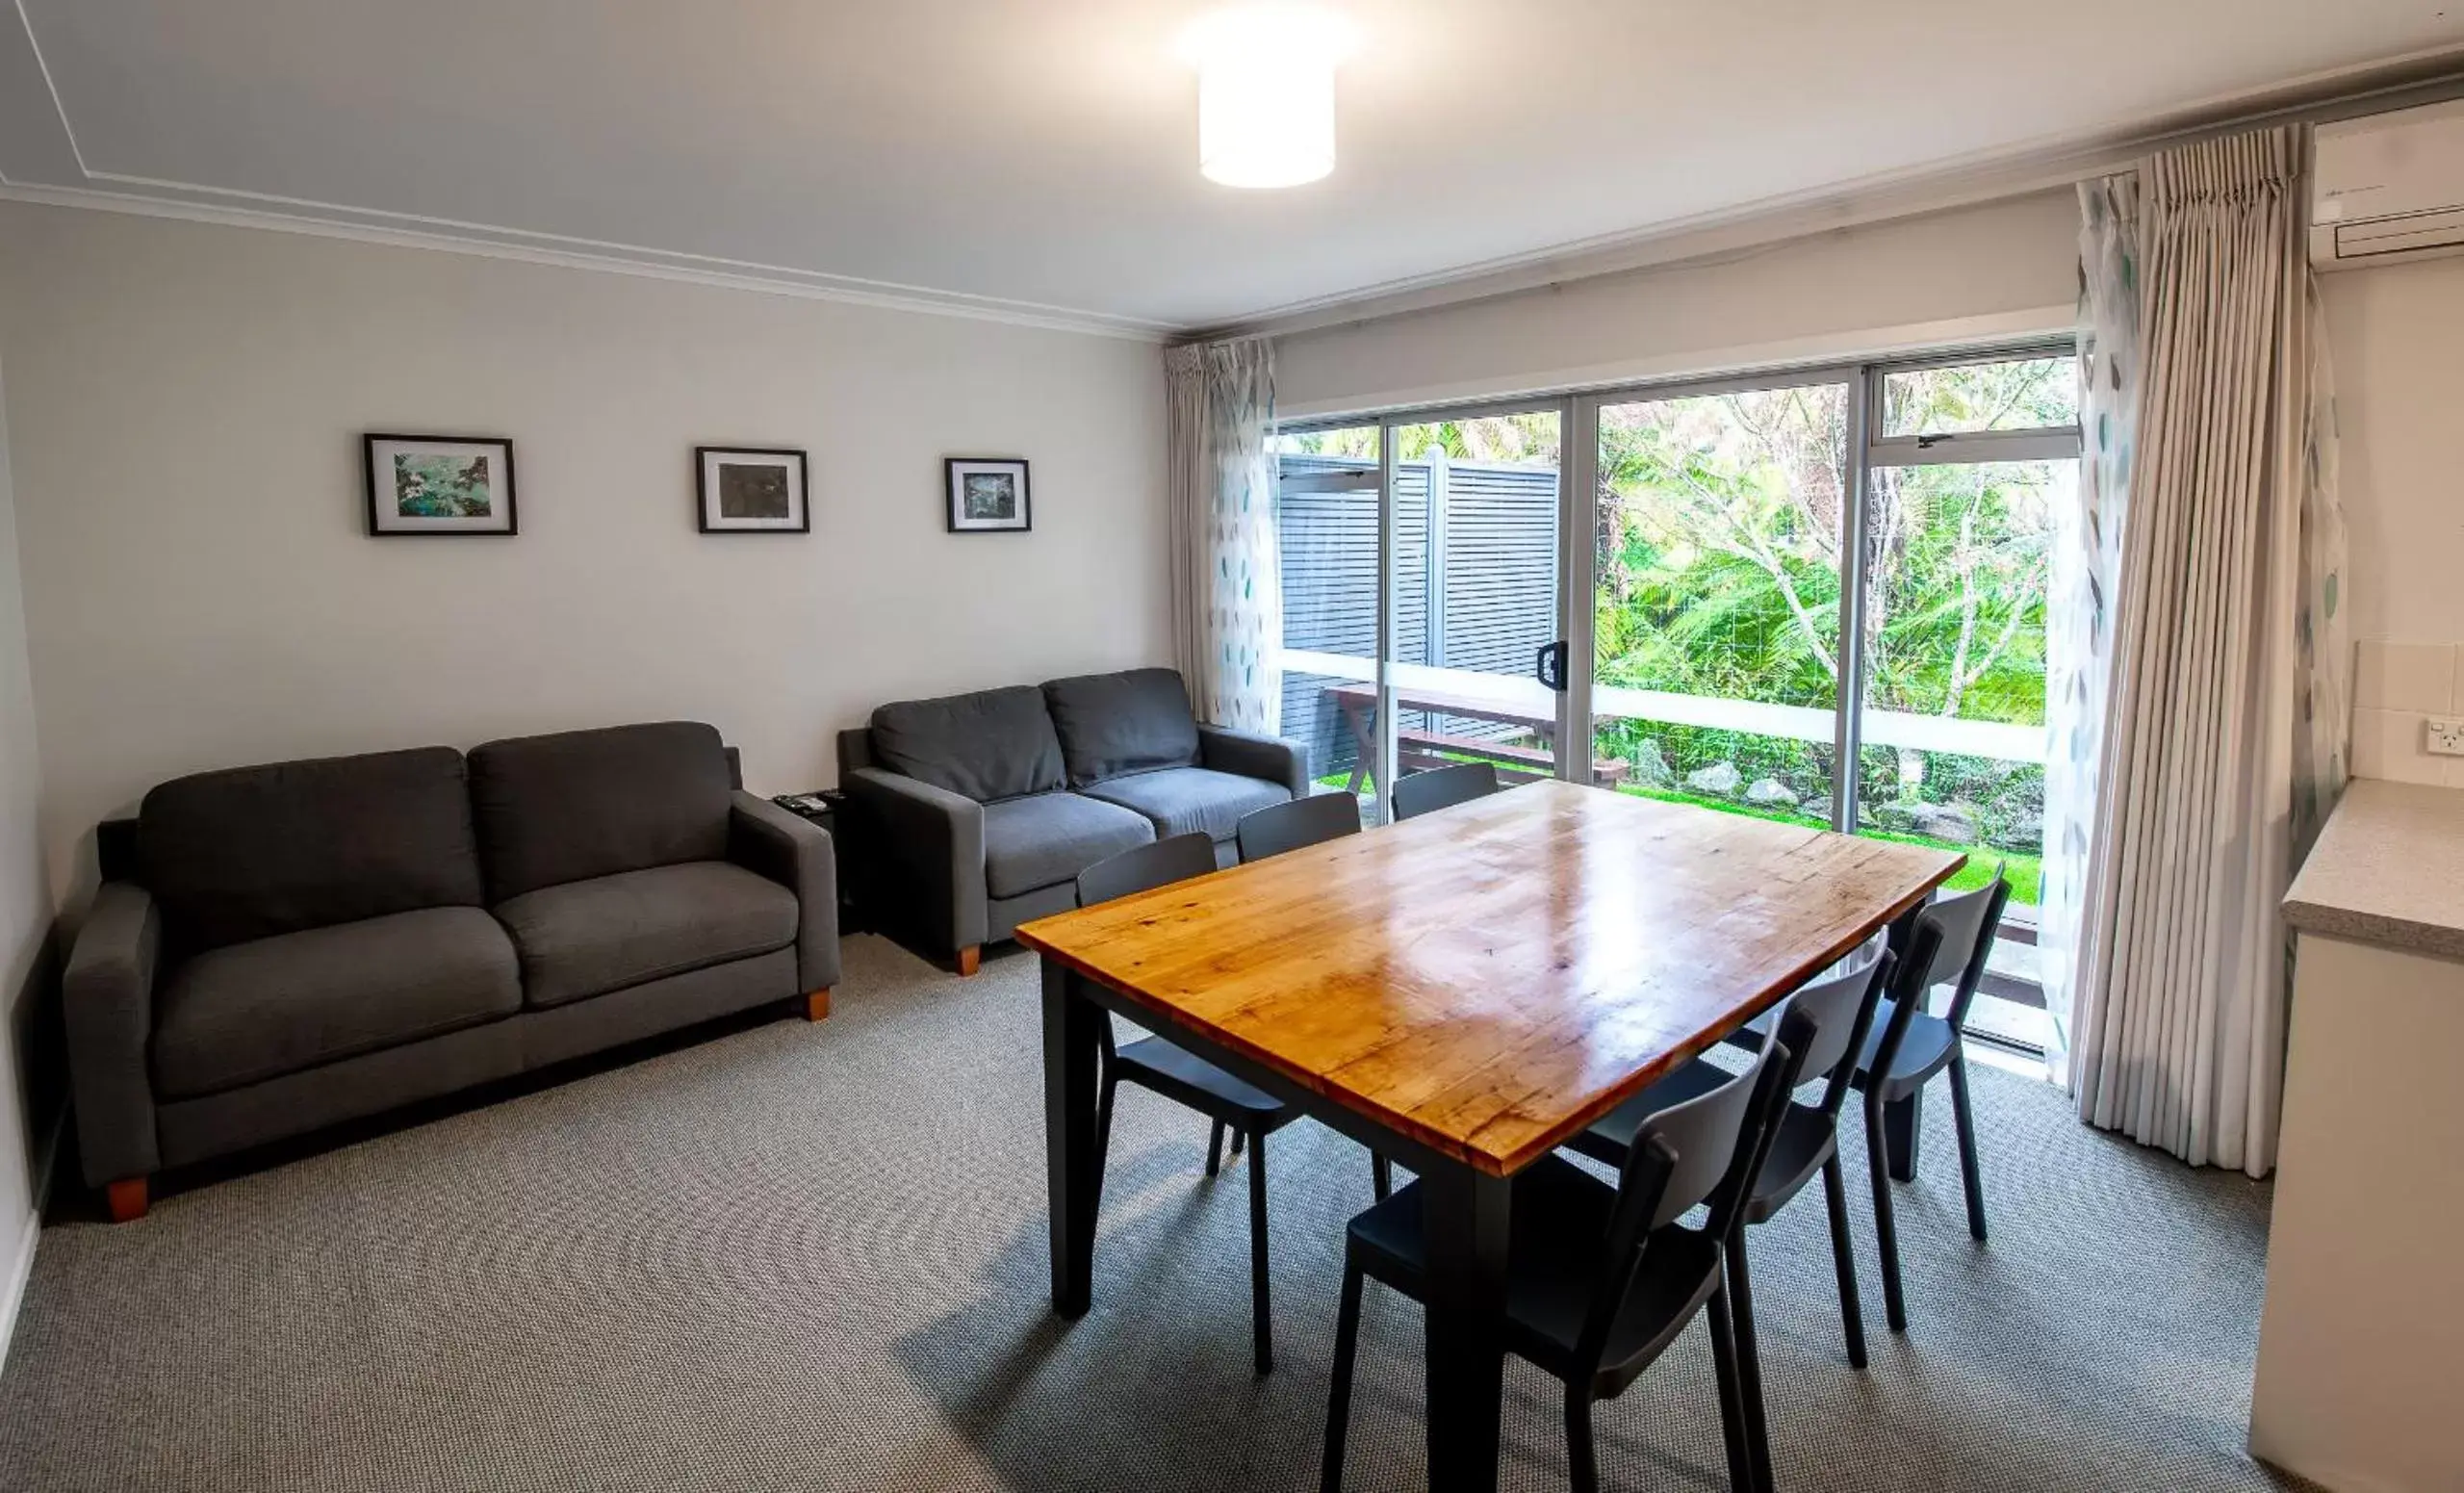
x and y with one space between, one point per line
2026 872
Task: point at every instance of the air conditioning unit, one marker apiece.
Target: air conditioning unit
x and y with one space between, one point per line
2389 188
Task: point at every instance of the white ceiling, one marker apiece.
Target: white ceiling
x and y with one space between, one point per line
1039 155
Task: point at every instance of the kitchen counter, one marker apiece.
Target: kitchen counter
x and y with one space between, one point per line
2362 1328
2388 869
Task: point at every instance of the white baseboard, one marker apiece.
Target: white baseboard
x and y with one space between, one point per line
20 1269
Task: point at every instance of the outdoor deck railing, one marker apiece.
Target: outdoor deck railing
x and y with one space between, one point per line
1992 740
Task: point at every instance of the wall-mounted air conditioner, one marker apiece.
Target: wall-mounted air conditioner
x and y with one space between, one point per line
2389 188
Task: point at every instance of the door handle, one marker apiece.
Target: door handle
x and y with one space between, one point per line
1550 666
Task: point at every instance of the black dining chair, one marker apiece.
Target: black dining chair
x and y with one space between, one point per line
1443 788
1947 943
1304 821
1601 1278
1161 1067
1837 1009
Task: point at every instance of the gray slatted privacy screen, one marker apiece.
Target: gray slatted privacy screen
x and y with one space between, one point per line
1493 570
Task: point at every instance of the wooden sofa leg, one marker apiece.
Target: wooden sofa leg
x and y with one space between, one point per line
970 959
817 1005
126 1198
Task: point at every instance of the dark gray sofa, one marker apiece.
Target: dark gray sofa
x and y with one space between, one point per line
978 812
309 942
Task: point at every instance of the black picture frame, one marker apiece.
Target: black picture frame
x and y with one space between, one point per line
800 494
374 446
954 468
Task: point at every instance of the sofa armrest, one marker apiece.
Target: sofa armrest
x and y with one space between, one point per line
1254 756
796 853
107 1009
924 849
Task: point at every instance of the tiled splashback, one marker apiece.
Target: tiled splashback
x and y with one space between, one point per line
2396 687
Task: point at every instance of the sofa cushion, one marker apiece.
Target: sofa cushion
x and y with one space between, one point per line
1191 800
997 743
588 937
1134 721
580 804
254 852
1032 842
259 1010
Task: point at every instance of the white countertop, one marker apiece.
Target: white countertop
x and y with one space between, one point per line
2388 869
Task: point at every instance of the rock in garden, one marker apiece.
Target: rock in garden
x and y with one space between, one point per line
1951 822
1771 792
1719 777
1651 770
1899 817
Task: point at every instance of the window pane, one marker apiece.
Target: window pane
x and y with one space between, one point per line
2028 394
1953 727
1475 593
1327 499
1718 607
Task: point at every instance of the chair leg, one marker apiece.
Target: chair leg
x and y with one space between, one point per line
1104 1118
1330 1470
1582 1459
1215 1150
1843 1254
1732 1405
1261 1318
1239 1138
817 1004
1885 1228
967 960
1968 1174
1381 1174
1748 1365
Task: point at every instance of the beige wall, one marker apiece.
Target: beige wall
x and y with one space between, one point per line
2398 333
2009 268
189 401
25 906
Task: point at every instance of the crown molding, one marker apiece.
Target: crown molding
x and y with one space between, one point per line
203 205
1939 186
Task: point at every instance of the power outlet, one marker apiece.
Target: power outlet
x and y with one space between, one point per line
2444 738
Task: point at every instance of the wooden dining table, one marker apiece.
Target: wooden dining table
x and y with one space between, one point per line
1461 993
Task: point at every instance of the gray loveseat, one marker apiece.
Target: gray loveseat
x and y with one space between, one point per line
309 942
978 812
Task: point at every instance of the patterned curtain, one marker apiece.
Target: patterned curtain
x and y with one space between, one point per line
2323 684
2087 570
1227 595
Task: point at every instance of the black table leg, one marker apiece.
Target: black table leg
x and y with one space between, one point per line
1465 1215
1073 1160
1900 1129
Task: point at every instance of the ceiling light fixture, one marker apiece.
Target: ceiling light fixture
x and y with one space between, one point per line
1266 93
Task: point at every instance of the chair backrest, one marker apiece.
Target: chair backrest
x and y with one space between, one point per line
1966 923
1840 1007
1443 788
1705 1150
1303 821
1146 869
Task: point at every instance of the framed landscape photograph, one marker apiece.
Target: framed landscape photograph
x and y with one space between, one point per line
988 495
439 484
752 490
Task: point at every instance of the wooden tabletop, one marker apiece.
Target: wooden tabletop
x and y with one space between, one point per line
1491 978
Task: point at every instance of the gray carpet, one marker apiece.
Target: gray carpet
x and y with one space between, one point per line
813 1257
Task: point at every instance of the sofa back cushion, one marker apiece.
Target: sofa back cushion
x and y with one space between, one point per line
578 804
251 852
1134 721
993 744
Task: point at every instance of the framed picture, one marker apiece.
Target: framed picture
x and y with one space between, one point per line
439 484
986 495
752 490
